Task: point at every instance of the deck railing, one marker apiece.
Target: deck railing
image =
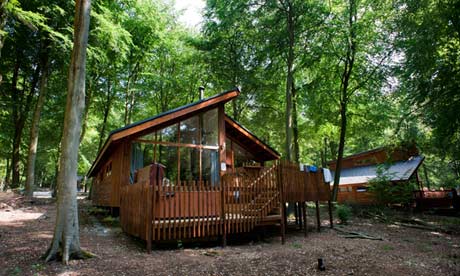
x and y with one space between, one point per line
248 200
153 211
300 185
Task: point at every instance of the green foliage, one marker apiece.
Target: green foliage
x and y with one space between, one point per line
388 192
344 213
141 62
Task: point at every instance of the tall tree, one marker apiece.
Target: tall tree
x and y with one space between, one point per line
344 93
66 240
429 40
364 40
33 142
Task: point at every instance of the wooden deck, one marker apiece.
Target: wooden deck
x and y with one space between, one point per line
237 204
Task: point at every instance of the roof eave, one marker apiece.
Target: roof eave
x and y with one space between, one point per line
121 133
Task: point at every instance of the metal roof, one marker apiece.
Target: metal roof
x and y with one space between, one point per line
397 171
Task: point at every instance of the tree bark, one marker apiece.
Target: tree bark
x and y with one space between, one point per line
344 98
30 175
289 81
295 125
7 175
107 107
66 240
88 101
20 113
3 16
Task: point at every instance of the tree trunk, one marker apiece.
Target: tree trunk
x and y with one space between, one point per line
30 176
289 82
7 175
3 16
20 113
344 98
88 101
338 168
107 107
66 240
295 126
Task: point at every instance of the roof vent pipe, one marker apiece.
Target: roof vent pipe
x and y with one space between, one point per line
201 89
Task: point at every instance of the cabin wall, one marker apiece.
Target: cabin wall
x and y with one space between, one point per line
111 176
102 185
352 193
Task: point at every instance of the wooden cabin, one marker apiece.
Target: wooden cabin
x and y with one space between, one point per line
358 169
194 172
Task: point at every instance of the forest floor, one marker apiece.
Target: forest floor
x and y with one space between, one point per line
26 229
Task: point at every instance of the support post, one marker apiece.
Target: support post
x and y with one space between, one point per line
222 169
318 221
148 222
222 215
282 204
304 213
331 220
299 207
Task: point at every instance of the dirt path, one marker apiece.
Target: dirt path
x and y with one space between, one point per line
27 230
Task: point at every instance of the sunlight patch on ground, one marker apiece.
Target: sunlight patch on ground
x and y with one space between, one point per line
8 216
68 273
43 235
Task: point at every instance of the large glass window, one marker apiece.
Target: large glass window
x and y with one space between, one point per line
210 133
188 150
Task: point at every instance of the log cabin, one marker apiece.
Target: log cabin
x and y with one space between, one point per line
359 169
194 172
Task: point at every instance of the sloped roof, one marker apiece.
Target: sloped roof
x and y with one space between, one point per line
249 141
244 136
177 114
398 171
377 156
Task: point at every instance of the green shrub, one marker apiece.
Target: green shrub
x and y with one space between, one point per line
387 192
344 213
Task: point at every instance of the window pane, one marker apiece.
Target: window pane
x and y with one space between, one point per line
168 158
189 164
189 130
210 128
241 155
168 134
210 166
141 156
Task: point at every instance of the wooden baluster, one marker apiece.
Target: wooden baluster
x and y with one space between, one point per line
208 203
194 212
154 205
161 209
189 210
175 208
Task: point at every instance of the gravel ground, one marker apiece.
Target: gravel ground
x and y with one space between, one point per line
26 230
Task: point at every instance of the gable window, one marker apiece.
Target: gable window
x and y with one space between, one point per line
187 149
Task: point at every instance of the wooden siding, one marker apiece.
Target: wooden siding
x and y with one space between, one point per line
301 186
348 194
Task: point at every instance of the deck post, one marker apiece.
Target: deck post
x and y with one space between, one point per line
282 204
299 214
148 221
304 213
318 221
331 220
223 225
